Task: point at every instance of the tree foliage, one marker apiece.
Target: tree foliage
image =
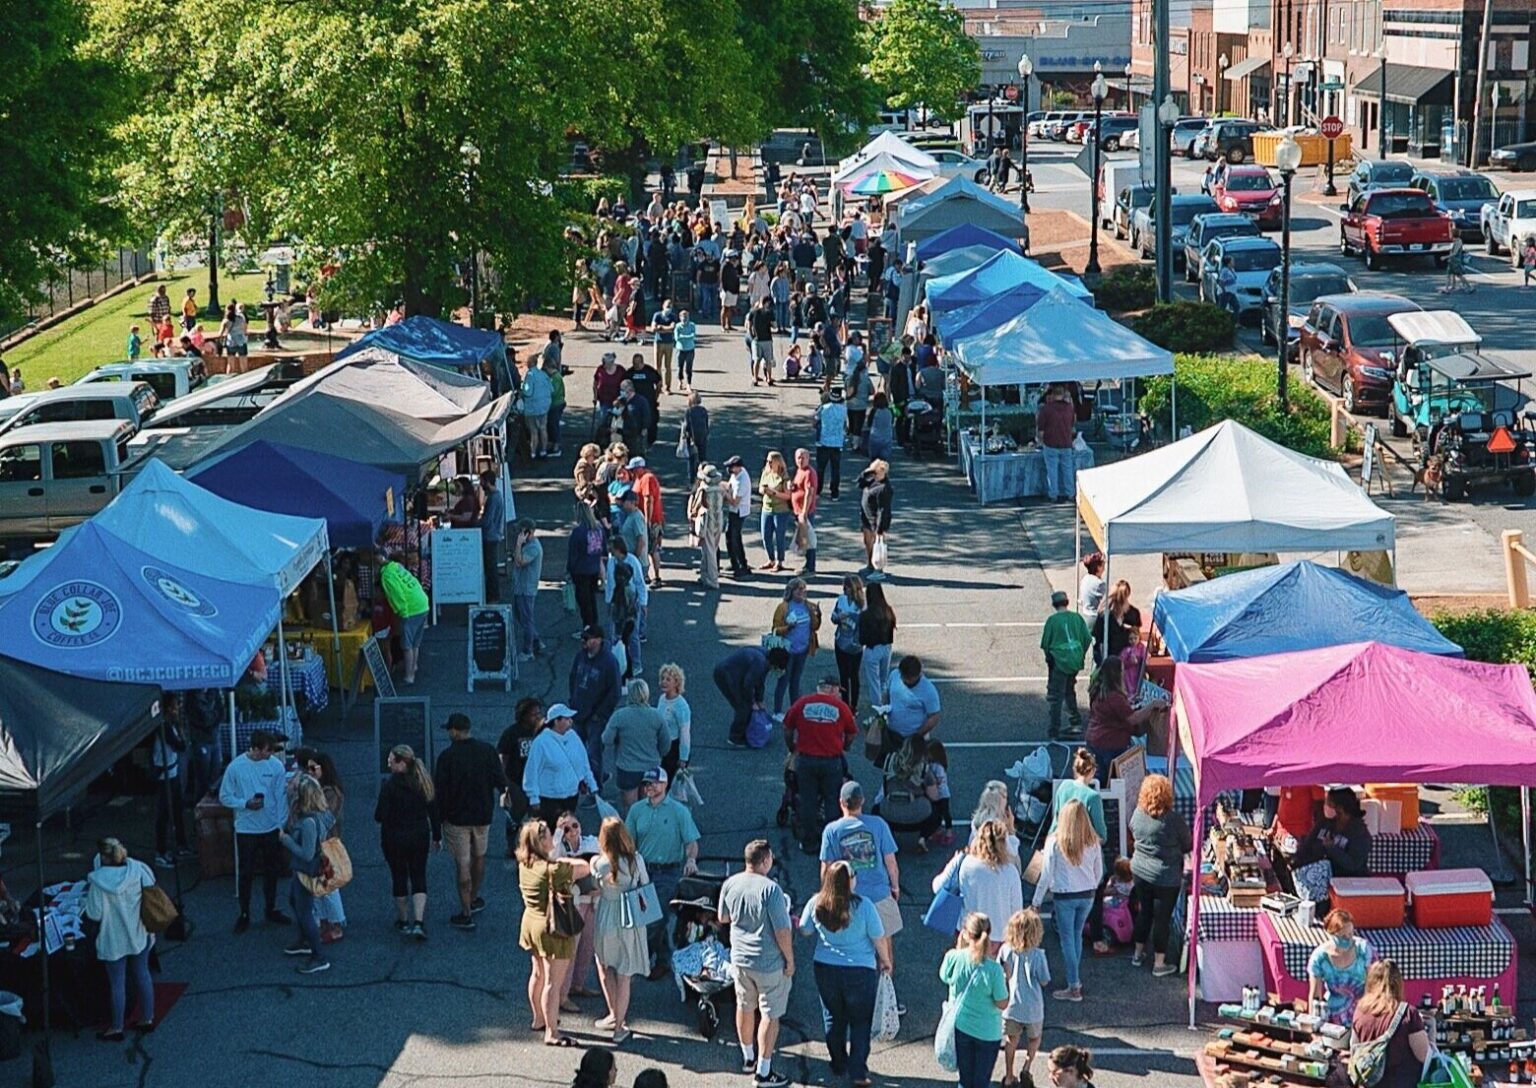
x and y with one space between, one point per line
920 52
57 105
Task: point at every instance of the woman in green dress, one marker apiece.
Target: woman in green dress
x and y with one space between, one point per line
540 876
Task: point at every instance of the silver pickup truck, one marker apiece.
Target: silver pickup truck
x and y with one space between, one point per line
55 475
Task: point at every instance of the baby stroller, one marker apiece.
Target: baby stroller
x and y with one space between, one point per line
926 428
701 962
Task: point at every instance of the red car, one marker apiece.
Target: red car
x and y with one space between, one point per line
1250 191
1076 130
1395 222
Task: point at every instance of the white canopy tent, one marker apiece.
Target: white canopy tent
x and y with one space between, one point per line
887 162
891 145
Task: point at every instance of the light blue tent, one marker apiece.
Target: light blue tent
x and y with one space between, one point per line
966 234
1294 606
1003 272
1059 339
956 325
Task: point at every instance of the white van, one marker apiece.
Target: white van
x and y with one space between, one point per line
1114 176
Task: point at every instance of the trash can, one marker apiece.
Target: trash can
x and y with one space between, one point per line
11 1019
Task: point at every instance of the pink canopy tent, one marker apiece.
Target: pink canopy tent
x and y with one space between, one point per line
1362 712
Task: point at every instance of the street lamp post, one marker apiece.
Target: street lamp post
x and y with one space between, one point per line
1221 77
1130 103
1100 89
1287 158
1026 69
1288 53
470 154
1167 116
1381 112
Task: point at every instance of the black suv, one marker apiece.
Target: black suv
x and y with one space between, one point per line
1113 129
1233 141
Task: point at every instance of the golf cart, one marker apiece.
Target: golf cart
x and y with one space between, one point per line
1466 425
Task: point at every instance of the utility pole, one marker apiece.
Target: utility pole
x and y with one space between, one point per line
1162 153
1482 85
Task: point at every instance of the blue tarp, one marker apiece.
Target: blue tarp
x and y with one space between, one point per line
966 234
351 497
1295 606
1003 272
440 343
955 325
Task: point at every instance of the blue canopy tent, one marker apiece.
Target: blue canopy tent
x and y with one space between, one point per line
966 234
442 344
1281 609
356 500
1005 271
956 325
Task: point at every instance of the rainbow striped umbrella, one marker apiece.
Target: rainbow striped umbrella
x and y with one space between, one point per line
878 182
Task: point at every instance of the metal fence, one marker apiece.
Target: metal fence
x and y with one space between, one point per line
78 284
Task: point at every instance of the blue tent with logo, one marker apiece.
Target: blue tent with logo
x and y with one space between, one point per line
1005 271
966 234
1281 609
355 500
955 325
440 343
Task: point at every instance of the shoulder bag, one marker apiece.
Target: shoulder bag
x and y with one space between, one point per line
944 1035
639 905
1368 1061
561 918
156 910
943 914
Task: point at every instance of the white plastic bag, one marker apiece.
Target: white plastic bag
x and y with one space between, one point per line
684 791
877 553
887 1023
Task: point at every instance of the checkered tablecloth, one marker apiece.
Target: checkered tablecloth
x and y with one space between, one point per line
1221 921
1410 852
306 677
1460 952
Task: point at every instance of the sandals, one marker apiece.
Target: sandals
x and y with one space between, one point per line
564 1040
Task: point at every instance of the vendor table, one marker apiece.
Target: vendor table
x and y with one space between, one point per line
1394 854
998 476
1428 958
340 674
306 677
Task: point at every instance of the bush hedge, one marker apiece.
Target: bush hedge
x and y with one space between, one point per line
1129 287
1198 328
1213 388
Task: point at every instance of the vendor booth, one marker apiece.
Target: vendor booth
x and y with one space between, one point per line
1362 712
958 201
893 148
1003 272
955 261
441 344
377 375
964 236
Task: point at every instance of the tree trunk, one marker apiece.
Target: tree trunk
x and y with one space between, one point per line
420 294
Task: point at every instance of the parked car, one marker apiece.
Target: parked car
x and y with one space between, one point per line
1058 130
1518 158
1395 222
1250 191
1114 175
1182 210
169 378
1371 174
133 402
1233 272
1461 194
1131 141
1205 229
56 475
1309 281
1041 129
1113 130
1509 222
1075 131
1182 138
1232 140
1202 140
1127 202
956 164
1346 346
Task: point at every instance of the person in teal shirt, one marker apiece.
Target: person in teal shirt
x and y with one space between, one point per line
135 344
686 333
1065 641
1083 786
977 982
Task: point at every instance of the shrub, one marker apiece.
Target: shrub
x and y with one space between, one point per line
1195 327
1214 388
1129 287
582 194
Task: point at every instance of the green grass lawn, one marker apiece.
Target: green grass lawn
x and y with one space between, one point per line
100 334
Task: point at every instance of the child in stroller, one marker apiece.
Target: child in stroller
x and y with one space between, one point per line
701 963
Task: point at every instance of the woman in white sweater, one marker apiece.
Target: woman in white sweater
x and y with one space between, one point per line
1073 867
989 880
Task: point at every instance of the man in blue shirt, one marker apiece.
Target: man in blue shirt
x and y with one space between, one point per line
664 325
914 700
831 432
869 848
493 529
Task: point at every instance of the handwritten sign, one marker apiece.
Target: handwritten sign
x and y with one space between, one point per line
373 657
405 721
458 574
488 650
1368 464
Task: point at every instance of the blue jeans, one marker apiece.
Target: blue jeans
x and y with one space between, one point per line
876 670
657 934
1060 474
974 1059
776 535
1071 917
553 424
789 680
847 1012
781 315
527 632
117 981
303 905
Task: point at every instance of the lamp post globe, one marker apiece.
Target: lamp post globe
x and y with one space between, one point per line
1099 89
1167 117
1287 160
1026 69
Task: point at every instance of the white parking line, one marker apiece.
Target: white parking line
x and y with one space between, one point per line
1008 623
987 679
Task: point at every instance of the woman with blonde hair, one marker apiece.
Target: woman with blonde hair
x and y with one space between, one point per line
796 620
408 822
1023 962
1072 869
1162 838
989 881
677 716
114 893
621 950
976 981
1383 1013
1117 615
542 878
773 486
309 821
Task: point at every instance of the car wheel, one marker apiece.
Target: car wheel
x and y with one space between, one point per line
1266 331
1349 394
1489 244
1454 488
1189 272
980 177
1119 232
1236 156
1514 257
1372 258
1112 144
1399 428
1525 484
1344 243
1525 164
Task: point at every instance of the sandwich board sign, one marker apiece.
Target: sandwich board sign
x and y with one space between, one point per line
458 575
488 648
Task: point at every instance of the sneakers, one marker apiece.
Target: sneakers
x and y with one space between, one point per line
525 657
462 921
402 926
417 930
477 905
299 948
1138 959
314 966
605 1023
749 1065
943 837
1165 970
774 1079
242 923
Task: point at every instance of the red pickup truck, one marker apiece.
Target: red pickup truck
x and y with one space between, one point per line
1395 222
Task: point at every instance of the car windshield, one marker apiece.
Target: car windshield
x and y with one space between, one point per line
1183 213
1249 183
1246 229
1255 260
1525 209
1467 189
1371 331
1391 173
1307 288
1401 205
1139 196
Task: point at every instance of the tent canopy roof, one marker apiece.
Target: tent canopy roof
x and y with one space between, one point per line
1295 606
975 319
886 161
59 733
956 189
377 375
886 143
1059 339
1362 712
1003 271
288 480
966 234
1271 499
431 340
955 262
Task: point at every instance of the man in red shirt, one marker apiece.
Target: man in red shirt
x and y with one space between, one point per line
606 381
802 501
1056 427
819 729
647 485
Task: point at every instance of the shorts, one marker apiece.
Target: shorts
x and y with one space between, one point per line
1030 1031
766 991
890 916
728 299
653 537
412 630
762 351
464 844
630 780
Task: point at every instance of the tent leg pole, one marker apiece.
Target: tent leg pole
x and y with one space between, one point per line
170 804
1525 838
285 693
330 582
1173 400
234 750
1192 945
42 937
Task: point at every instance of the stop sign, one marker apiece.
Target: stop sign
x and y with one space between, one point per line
1331 128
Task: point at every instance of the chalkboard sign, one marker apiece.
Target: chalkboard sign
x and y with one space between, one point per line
458 574
402 721
372 656
488 653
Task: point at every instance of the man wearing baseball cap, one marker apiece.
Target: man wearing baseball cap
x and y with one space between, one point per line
647 486
594 691
467 779
557 770
819 728
668 840
1065 640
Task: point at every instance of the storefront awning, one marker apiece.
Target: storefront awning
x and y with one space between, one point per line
1408 83
1245 68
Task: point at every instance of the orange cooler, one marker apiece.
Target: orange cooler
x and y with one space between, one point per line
1375 902
1443 898
1407 793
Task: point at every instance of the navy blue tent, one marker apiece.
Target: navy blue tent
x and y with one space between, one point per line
356 500
1295 606
955 325
966 234
442 344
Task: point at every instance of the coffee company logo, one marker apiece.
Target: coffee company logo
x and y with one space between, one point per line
179 595
76 615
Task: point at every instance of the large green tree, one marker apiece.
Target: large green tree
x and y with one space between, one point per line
920 52
57 105
809 61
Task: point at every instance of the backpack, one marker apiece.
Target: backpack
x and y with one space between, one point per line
906 798
1368 1061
